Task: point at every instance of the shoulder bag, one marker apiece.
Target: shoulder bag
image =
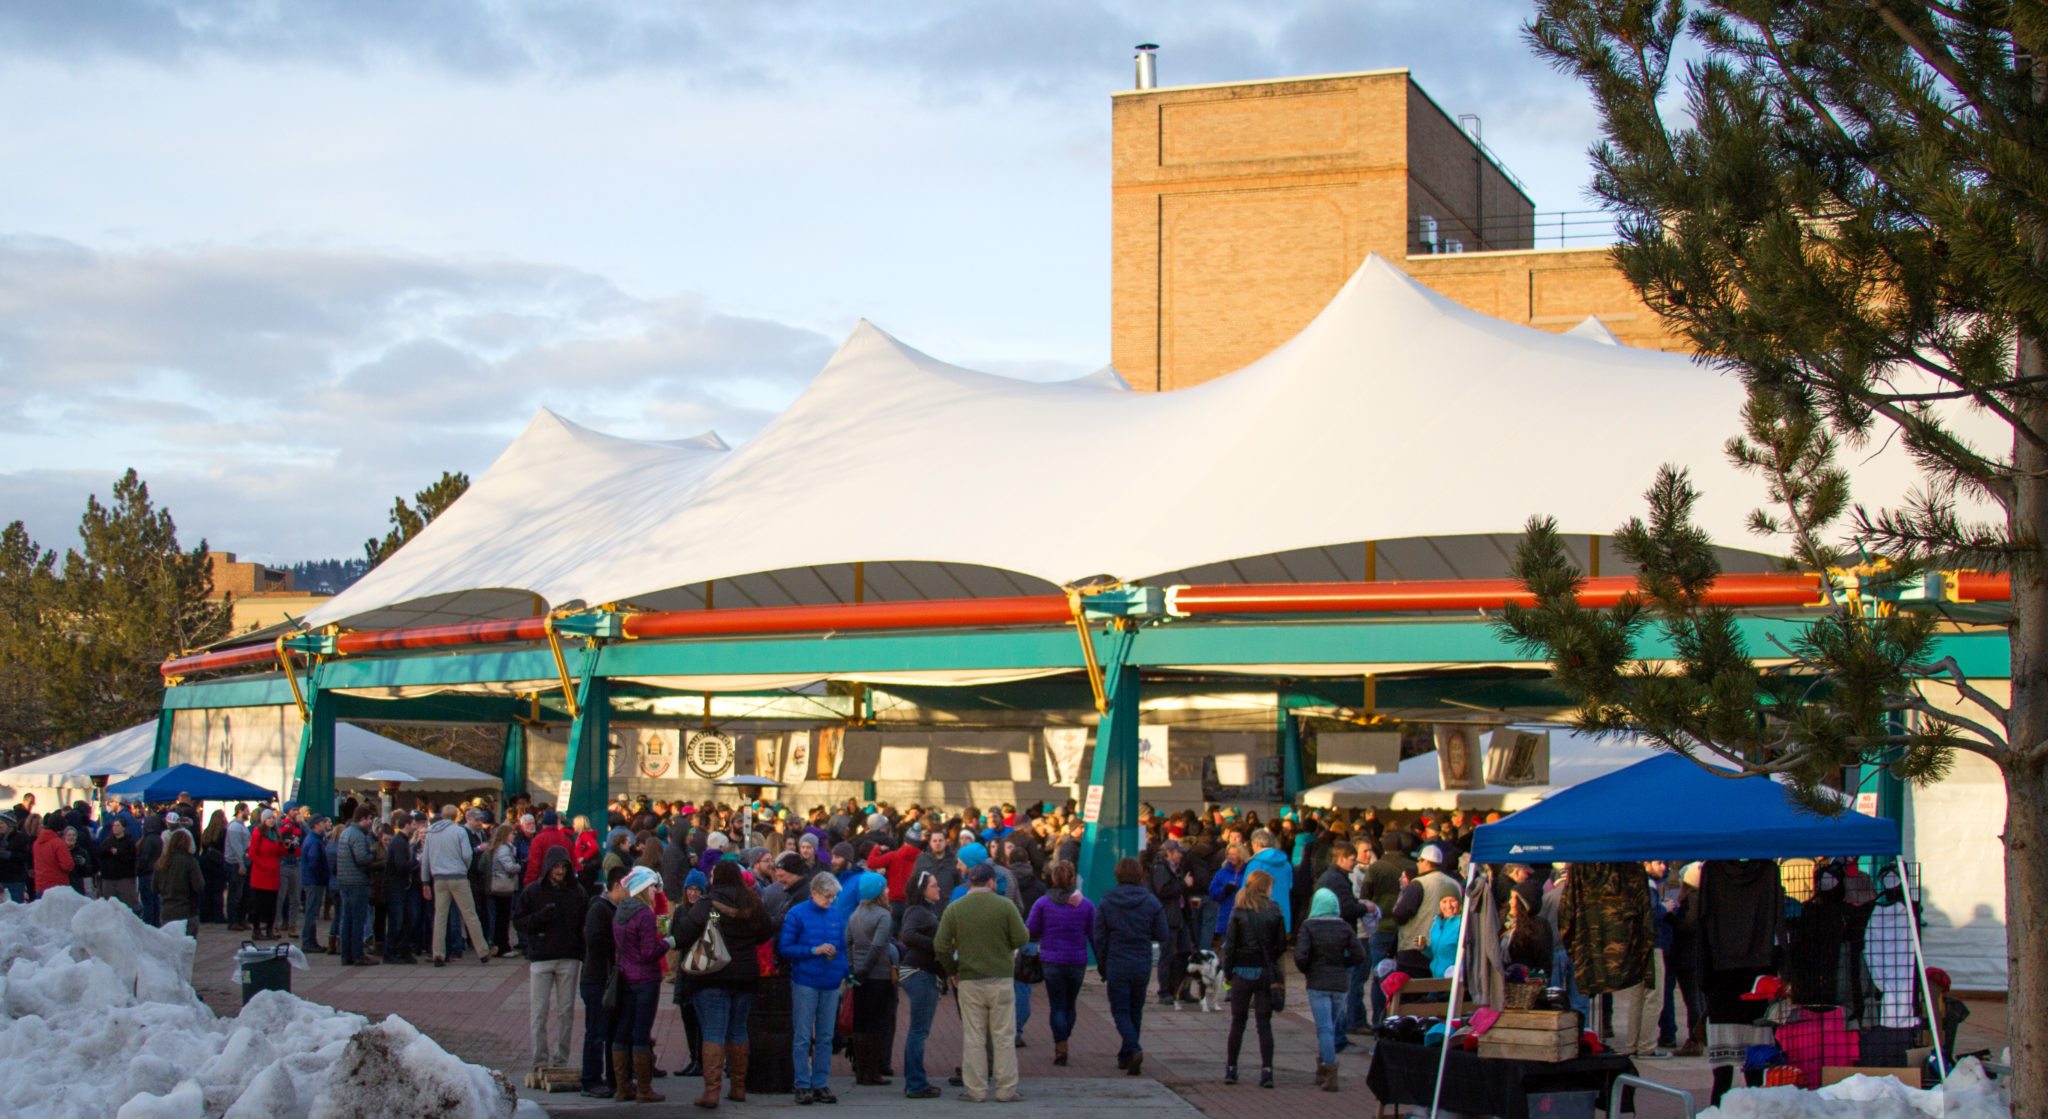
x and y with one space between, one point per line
709 953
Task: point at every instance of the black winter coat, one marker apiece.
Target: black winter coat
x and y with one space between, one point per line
1171 889
1348 906
743 935
117 857
1326 949
1127 921
551 916
919 924
1254 939
599 949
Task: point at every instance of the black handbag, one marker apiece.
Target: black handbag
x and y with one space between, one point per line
1028 968
611 989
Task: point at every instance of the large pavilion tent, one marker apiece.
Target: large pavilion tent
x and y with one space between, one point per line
126 753
1415 785
894 457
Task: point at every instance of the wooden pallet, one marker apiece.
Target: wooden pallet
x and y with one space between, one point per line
555 1079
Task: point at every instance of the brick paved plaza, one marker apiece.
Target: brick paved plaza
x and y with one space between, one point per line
479 1012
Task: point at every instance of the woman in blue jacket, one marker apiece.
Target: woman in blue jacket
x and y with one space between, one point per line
813 940
1128 923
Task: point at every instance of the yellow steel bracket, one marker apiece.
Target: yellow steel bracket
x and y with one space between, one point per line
291 676
1088 660
561 665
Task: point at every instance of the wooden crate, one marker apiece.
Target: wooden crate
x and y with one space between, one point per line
1547 1020
1504 1035
1549 1053
555 1079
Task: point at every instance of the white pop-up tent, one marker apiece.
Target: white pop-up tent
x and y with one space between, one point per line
357 752
1415 785
1255 463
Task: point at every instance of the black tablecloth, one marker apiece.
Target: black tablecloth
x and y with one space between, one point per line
1406 1074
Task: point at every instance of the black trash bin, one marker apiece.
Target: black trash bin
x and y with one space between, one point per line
263 969
769 1068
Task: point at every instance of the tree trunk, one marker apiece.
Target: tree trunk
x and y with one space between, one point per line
2026 932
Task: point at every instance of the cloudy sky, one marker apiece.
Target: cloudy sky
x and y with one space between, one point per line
291 259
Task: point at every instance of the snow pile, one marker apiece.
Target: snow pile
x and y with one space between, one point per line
100 1019
1968 1093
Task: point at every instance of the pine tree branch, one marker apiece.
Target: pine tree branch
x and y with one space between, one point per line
1993 745
1948 667
1938 59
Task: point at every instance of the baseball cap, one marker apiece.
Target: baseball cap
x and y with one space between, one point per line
982 873
1431 853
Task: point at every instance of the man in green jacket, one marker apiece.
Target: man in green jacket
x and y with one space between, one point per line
977 942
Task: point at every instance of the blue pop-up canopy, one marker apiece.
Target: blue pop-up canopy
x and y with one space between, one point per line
199 783
1669 807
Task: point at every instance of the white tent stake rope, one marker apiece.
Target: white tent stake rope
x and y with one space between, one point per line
1920 958
1443 1057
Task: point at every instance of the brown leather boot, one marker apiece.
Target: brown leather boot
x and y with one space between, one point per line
1322 1073
736 1071
643 1071
622 1073
1330 1081
714 1062
1059 1052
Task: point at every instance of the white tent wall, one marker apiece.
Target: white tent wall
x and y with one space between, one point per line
1951 829
259 744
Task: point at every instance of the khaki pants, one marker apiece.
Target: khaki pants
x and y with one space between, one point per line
1636 1011
988 1020
551 990
457 891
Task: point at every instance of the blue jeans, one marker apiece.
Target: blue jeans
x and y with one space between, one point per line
1327 1006
1023 991
722 1014
1062 988
812 1016
633 1018
19 892
152 909
923 991
355 921
1561 968
309 923
597 1032
1127 1006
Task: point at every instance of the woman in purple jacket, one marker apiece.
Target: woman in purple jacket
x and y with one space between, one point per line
641 944
1063 924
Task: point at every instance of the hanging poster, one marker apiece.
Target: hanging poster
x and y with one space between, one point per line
1064 749
830 749
1517 758
1457 757
1155 769
710 754
796 764
657 752
768 756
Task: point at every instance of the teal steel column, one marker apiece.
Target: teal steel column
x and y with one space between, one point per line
587 772
160 754
313 778
1112 790
512 767
1291 782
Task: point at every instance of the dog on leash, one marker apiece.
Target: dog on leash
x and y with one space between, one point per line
1203 982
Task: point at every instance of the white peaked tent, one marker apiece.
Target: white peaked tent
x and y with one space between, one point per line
1395 414
357 752
1414 786
1593 330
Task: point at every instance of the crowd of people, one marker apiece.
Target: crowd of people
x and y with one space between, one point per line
845 916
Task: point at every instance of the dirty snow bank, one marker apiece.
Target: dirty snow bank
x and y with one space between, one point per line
1967 1094
98 1018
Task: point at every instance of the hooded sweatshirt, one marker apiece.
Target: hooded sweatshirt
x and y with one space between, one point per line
446 850
1281 871
1127 922
551 916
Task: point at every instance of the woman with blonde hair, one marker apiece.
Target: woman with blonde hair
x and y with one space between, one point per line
1253 943
506 870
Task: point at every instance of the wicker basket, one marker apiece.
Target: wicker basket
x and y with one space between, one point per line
1522 996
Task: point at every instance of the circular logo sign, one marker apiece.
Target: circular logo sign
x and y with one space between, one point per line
709 753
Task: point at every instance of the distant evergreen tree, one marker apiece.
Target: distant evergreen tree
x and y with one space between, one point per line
408 520
328 576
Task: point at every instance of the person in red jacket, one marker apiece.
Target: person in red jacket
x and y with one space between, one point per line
52 856
550 836
896 867
266 852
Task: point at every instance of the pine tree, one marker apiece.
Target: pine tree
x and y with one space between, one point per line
129 599
1851 213
408 520
28 625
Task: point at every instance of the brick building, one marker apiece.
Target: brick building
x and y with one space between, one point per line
259 595
1239 209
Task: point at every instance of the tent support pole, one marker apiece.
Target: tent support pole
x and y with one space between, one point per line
1109 805
1920 958
1443 1055
160 753
586 772
512 766
313 778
